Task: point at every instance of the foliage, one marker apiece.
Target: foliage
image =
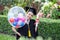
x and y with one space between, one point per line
5 11
6 37
47 27
5 2
47 7
5 26
55 14
9 37
54 1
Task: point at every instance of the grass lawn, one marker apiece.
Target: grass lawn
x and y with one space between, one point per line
8 37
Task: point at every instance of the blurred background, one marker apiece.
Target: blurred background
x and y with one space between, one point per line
49 27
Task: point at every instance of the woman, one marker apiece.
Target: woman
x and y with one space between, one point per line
29 28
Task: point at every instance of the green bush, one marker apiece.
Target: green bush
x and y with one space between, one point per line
50 28
47 7
47 27
5 11
55 14
6 37
5 26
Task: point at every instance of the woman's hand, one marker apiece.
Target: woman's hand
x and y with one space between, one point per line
35 29
18 33
14 29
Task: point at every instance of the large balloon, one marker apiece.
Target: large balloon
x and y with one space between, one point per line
16 17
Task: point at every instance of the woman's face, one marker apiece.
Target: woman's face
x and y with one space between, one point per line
29 15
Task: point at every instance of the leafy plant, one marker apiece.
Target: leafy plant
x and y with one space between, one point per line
55 14
47 27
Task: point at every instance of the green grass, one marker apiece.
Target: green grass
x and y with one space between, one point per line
9 37
3 16
6 37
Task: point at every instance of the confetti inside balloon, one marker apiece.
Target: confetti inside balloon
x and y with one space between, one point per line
16 17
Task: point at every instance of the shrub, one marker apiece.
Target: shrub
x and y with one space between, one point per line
47 7
55 14
5 11
4 25
47 27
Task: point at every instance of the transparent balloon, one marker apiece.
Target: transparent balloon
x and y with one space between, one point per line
17 16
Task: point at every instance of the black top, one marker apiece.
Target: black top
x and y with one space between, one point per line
24 30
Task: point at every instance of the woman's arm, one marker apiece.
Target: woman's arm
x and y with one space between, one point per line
38 16
37 22
14 29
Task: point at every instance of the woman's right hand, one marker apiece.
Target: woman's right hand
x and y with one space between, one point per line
18 33
14 29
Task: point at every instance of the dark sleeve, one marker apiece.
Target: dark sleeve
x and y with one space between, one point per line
32 20
23 30
32 28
